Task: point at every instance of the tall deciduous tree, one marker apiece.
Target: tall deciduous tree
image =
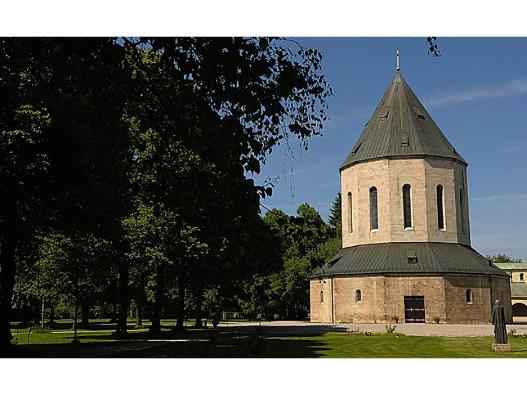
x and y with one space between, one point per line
202 112
192 103
63 146
24 165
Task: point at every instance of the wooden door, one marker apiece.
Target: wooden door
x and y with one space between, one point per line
414 309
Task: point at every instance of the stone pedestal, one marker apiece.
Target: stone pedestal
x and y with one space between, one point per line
501 347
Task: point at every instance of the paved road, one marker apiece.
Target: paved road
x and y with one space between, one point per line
299 327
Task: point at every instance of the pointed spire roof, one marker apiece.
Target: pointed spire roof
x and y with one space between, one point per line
400 127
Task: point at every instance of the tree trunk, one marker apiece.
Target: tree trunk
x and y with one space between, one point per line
199 304
25 312
52 314
181 303
75 318
113 319
138 314
35 311
85 315
160 288
7 282
122 319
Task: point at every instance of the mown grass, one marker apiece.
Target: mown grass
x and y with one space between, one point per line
97 341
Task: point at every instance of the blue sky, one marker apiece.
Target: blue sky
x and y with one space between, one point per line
477 94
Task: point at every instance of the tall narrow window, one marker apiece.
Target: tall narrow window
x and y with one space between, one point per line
440 215
469 296
461 211
407 206
350 215
374 215
321 296
521 276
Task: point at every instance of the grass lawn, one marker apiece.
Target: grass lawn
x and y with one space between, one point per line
97 341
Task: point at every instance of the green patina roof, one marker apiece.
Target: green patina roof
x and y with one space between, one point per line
519 290
511 265
392 258
400 127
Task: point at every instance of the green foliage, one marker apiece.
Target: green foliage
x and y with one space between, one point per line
335 216
71 267
503 258
390 328
433 49
306 243
141 146
24 163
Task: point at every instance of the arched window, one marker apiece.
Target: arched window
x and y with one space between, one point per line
407 206
358 295
469 296
440 214
350 215
321 296
521 276
374 215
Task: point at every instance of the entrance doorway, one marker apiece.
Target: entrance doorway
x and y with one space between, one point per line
414 309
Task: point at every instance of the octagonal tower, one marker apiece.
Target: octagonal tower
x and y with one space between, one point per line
401 146
406 253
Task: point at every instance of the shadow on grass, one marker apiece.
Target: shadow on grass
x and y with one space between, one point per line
189 344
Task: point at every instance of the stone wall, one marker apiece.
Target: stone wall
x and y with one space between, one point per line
320 302
382 298
389 176
501 289
469 312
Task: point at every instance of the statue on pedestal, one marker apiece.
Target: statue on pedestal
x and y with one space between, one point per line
500 329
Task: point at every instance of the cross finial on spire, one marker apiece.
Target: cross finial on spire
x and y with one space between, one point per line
397 66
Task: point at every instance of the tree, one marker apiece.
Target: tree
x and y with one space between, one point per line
63 145
198 133
72 268
87 123
503 258
24 165
305 245
335 216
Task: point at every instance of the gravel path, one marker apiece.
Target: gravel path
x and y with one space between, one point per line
299 327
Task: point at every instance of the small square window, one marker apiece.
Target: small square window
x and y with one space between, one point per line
420 115
331 263
412 256
405 141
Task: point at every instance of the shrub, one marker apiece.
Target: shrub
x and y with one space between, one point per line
390 328
396 319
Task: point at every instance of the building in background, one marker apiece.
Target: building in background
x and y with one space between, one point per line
518 273
406 253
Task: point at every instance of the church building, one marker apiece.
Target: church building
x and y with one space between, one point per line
406 253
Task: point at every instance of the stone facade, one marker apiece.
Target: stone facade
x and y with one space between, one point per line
400 146
382 298
389 176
